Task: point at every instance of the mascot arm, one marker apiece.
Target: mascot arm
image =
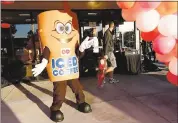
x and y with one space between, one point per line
41 66
86 44
78 50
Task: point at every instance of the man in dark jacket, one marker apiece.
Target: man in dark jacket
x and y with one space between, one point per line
109 52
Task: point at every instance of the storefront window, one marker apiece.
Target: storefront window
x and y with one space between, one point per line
22 30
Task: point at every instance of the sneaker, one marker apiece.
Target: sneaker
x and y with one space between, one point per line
113 81
104 81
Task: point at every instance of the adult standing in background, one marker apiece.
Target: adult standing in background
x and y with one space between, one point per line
109 52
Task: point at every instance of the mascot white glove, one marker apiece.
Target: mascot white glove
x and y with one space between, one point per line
39 67
86 44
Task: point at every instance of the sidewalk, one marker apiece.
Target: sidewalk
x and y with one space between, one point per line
136 99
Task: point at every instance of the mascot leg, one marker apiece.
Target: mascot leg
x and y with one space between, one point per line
59 92
80 97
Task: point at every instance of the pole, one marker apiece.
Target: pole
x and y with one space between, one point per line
33 39
12 44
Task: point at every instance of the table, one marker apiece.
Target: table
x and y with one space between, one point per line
128 63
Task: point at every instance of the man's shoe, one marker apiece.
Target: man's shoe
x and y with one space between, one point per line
57 116
84 107
104 81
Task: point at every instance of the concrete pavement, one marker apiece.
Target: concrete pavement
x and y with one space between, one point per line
141 98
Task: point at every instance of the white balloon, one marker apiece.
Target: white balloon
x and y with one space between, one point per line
168 25
147 21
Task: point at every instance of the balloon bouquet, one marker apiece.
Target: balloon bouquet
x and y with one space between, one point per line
157 22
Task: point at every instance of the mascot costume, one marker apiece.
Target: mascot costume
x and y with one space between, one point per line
58 31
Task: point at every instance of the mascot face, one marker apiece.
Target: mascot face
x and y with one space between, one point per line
56 27
63 30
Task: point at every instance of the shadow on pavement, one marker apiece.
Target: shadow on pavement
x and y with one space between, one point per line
34 99
46 91
7 116
160 77
131 106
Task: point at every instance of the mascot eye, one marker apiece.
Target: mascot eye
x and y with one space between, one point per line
60 28
68 28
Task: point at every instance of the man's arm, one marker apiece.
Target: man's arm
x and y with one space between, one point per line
107 43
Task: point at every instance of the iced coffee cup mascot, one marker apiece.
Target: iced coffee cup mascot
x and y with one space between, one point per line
58 31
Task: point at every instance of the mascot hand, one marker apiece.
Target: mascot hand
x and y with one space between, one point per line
39 67
86 44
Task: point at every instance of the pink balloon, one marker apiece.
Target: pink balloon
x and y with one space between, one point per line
132 13
163 45
146 24
149 5
173 66
164 58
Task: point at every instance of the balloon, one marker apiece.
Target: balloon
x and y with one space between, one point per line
131 14
125 5
173 66
166 8
163 45
147 21
164 58
174 52
172 78
168 25
149 5
150 36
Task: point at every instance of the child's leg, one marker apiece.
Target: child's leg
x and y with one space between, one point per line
100 78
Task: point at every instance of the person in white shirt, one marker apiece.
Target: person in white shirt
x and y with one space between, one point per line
90 41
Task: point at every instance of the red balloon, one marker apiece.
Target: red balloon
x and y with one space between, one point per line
5 25
150 36
172 78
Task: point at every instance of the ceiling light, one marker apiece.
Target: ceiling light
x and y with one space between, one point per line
24 14
92 13
28 20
